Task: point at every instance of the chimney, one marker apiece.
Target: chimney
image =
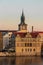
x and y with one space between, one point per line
32 28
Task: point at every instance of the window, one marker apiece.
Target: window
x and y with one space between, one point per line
9 38
22 50
33 49
30 44
9 34
26 50
30 50
25 44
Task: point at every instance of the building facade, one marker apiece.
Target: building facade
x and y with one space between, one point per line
27 43
7 40
1 41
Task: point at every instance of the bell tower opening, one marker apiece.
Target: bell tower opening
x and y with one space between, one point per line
22 26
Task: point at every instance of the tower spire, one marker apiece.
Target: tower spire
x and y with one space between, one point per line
22 13
22 18
22 25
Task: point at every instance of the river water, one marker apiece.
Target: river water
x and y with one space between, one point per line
21 61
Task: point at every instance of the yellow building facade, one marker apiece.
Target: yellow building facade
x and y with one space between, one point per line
26 43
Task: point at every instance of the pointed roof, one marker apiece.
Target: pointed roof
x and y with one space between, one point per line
22 13
22 18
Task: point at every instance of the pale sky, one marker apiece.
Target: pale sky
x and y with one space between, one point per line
10 13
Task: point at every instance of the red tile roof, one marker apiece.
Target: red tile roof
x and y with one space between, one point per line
38 31
20 33
33 34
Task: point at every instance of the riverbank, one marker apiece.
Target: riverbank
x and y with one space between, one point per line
7 54
2 54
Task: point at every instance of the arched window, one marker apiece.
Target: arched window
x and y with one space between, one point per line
28 49
33 49
22 50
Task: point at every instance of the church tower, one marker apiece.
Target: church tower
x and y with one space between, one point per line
22 26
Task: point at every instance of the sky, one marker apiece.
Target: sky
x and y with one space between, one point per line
11 10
